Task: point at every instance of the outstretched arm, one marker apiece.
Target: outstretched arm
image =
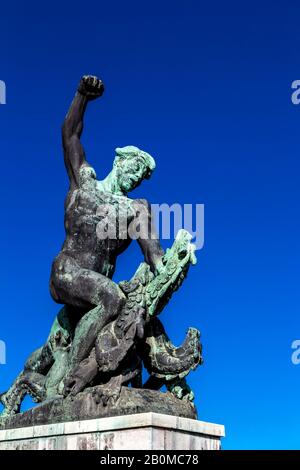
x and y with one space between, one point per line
89 89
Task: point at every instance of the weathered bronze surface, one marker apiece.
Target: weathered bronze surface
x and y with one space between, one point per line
106 332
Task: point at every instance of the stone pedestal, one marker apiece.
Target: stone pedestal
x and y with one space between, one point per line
144 431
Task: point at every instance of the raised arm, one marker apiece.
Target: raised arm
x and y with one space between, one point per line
89 89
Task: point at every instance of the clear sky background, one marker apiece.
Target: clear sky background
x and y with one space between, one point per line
205 87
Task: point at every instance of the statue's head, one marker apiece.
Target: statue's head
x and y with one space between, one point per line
132 165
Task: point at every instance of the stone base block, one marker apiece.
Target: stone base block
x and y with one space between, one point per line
143 431
84 406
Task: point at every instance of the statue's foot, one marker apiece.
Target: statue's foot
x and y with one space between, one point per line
180 389
6 414
3 402
9 409
80 377
2 398
109 393
73 386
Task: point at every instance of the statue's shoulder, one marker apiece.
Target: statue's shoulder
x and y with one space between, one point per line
87 177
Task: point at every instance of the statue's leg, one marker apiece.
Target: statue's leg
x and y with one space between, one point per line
35 379
40 360
30 381
80 288
81 376
99 297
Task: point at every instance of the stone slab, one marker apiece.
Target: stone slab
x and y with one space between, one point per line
143 431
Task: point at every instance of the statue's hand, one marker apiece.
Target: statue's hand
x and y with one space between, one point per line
159 267
91 87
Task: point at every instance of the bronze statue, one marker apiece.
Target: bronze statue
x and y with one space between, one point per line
106 332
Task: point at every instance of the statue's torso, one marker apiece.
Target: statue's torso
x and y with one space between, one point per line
88 209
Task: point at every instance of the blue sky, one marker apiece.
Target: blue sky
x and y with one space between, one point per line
206 89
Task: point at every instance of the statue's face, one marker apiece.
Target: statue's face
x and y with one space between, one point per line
130 173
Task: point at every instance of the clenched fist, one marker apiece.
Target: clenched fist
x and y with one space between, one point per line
91 87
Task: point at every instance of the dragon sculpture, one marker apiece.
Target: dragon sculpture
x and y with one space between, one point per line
136 338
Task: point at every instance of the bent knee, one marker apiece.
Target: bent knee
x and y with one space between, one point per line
54 291
72 285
